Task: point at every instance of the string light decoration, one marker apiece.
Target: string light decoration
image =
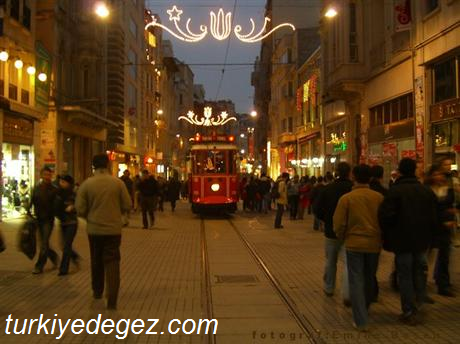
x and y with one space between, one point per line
220 27
208 120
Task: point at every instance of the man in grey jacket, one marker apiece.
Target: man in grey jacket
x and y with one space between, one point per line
101 200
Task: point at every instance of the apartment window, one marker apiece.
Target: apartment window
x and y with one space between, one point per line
13 92
133 27
132 58
395 110
290 124
85 82
431 5
445 83
14 9
353 36
25 97
26 16
287 56
284 125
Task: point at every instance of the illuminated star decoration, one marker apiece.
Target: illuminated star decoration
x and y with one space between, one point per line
207 120
220 27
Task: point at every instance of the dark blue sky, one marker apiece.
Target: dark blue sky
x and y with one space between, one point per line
236 84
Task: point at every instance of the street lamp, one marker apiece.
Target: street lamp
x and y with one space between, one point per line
160 112
4 56
101 10
253 114
42 77
331 12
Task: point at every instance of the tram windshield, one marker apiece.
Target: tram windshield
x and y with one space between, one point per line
214 161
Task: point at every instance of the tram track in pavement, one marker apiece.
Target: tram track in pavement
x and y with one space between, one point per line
307 327
312 335
206 291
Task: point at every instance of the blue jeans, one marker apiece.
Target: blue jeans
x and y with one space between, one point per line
411 271
362 268
45 228
333 248
68 234
279 215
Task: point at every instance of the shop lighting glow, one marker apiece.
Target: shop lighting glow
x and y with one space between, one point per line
220 27
207 120
42 77
331 12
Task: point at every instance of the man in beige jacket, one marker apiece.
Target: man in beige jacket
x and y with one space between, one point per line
282 199
356 223
101 200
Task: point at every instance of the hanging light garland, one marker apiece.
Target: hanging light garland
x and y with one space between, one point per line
207 120
19 64
220 27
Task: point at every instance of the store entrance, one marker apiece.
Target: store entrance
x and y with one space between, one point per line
17 168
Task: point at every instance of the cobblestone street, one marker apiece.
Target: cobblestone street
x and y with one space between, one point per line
163 277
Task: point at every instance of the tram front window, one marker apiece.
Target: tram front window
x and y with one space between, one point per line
212 161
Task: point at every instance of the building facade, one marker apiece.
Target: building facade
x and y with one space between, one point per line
23 104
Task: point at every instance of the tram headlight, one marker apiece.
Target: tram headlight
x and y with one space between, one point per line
215 187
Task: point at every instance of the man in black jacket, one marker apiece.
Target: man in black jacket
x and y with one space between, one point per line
408 222
148 190
376 180
42 200
324 209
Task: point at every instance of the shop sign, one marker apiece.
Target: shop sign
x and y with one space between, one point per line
445 110
402 15
43 63
341 147
18 130
411 154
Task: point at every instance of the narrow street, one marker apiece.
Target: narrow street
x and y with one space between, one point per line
262 285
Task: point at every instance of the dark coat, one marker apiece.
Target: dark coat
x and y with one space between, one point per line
326 203
65 198
408 217
148 187
173 190
377 186
42 200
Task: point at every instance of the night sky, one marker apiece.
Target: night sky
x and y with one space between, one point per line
236 84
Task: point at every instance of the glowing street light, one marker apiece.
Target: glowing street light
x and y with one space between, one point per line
253 114
42 77
31 70
18 64
331 12
160 112
4 56
101 10
242 136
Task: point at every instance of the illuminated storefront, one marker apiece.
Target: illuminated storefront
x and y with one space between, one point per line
17 165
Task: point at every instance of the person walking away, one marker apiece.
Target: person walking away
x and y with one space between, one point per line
356 223
324 209
264 190
101 200
174 187
67 215
161 193
408 220
293 196
304 190
281 199
377 179
314 195
148 190
126 178
313 182
444 190
42 200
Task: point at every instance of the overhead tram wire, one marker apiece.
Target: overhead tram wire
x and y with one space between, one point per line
226 53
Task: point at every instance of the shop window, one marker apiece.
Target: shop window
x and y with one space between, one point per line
13 92
395 110
25 97
445 83
14 9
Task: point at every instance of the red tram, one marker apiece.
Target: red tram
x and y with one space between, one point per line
214 178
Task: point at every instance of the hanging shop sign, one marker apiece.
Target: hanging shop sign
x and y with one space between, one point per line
18 130
220 27
402 15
